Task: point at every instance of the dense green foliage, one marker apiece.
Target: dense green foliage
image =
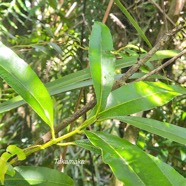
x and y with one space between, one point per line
54 55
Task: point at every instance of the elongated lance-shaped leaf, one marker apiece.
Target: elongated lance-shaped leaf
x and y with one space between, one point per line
102 62
19 75
139 96
77 79
133 22
164 129
131 165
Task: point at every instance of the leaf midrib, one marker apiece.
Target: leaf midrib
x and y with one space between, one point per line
129 164
146 96
119 156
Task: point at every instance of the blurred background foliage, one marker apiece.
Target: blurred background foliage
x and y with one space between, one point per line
52 36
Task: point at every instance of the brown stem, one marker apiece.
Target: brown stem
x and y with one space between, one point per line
143 60
107 11
162 66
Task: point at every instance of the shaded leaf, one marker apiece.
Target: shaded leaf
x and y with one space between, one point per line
85 143
55 47
133 22
161 54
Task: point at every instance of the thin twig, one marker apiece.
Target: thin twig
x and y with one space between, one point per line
107 11
163 12
162 66
143 60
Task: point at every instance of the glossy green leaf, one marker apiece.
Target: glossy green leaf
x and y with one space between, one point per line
77 79
131 165
139 96
102 62
133 22
25 82
167 130
40 176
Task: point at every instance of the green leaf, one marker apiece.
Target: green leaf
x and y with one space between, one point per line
161 54
4 165
102 62
10 170
40 176
14 150
25 82
77 79
139 96
174 177
167 130
131 165
55 47
133 22
85 143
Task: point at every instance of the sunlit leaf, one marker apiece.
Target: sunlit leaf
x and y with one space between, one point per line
102 62
25 82
131 165
139 96
77 79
